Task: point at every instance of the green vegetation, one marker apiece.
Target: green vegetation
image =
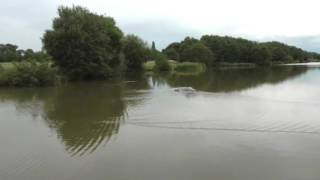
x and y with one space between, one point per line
30 73
135 51
84 45
149 65
282 53
189 67
215 50
234 79
11 53
192 50
162 65
7 65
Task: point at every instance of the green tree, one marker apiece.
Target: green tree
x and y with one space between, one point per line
135 51
28 54
153 47
197 52
260 55
9 53
173 51
83 44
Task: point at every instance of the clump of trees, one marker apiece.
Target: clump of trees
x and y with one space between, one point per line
161 61
190 50
211 50
193 50
84 45
11 53
283 53
81 45
135 52
162 65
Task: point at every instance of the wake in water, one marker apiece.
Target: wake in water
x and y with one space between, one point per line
296 131
227 112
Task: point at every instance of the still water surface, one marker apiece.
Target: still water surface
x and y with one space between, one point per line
237 124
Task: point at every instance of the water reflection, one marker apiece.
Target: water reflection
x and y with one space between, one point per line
27 101
87 115
84 115
272 126
232 80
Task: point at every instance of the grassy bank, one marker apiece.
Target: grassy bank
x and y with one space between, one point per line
183 67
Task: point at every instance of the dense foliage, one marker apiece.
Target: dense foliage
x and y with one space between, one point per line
84 45
135 52
283 53
193 50
11 53
161 61
30 73
210 49
162 65
190 49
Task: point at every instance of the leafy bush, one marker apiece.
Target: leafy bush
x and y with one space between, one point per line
161 61
162 65
26 74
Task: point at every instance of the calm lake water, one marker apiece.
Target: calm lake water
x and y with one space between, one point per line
237 124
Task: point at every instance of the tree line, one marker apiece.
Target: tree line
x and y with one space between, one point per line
83 45
11 53
210 49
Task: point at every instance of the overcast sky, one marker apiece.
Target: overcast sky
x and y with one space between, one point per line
296 22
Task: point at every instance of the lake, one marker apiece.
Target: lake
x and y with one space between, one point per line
225 124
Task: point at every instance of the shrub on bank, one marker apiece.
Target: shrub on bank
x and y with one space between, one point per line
162 65
27 74
161 62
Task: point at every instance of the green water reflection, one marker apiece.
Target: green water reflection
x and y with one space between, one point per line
231 80
86 115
